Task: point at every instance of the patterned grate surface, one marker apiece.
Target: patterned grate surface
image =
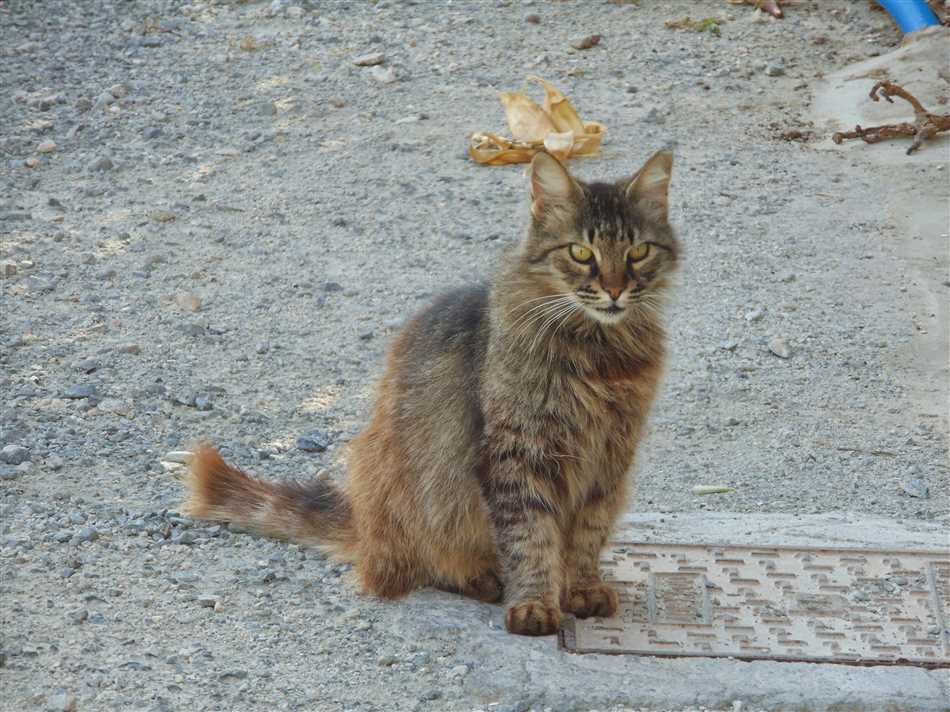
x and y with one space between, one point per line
857 606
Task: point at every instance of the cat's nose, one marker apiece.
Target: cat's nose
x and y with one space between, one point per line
614 292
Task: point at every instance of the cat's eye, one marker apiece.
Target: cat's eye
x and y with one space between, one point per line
640 252
581 254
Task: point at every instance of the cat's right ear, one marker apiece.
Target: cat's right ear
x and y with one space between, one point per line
554 193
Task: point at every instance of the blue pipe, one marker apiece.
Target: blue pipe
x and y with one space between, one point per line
910 15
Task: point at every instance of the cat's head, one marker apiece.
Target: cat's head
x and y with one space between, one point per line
606 249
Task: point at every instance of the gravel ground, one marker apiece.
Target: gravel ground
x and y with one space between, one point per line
212 222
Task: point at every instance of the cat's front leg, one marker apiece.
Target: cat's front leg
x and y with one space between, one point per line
585 593
523 507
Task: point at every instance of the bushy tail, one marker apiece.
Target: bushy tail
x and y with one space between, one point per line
316 513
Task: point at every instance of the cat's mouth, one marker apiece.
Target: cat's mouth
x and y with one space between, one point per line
607 315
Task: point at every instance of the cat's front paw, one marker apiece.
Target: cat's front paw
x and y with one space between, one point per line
592 600
532 617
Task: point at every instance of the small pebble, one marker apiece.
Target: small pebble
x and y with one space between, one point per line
14 454
779 347
382 75
46 147
181 456
314 441
187 301
80 391
585 42
87 534
61 702
915 488
203 402
103 163
532 19
775 69
755 315
370 60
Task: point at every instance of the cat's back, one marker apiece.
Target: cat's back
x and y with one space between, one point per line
455 323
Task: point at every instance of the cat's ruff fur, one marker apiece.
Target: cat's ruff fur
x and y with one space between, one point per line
505 425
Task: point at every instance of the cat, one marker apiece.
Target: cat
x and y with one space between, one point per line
497 455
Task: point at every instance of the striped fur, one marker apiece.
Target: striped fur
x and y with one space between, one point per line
497 454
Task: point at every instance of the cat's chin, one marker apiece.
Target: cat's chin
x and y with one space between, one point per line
608 317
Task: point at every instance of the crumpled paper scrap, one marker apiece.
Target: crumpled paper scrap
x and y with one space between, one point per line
556 127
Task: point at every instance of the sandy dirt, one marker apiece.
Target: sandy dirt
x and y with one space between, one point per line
212 222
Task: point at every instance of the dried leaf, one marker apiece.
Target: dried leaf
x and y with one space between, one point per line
556 105
555 127
527 120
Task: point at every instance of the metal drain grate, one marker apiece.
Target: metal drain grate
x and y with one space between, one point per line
857 606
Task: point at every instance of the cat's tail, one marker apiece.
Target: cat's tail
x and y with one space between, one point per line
315 513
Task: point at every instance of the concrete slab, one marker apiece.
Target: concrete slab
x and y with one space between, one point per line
558 681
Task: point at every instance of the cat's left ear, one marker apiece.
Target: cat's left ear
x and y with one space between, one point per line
649 188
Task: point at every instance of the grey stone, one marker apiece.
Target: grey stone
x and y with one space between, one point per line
313 441
80 391
61 702
14 454
77 616
775 69
754 315
184 398
87 534
185 538
203 401
779 347
915 488
369 60
383 75
103 163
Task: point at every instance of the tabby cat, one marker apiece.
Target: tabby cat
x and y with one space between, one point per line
497 456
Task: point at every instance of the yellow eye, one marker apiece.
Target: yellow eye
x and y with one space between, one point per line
639 252
581 253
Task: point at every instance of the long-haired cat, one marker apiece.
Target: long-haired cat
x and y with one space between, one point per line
497 456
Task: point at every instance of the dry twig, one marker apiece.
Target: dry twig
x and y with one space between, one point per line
925 126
